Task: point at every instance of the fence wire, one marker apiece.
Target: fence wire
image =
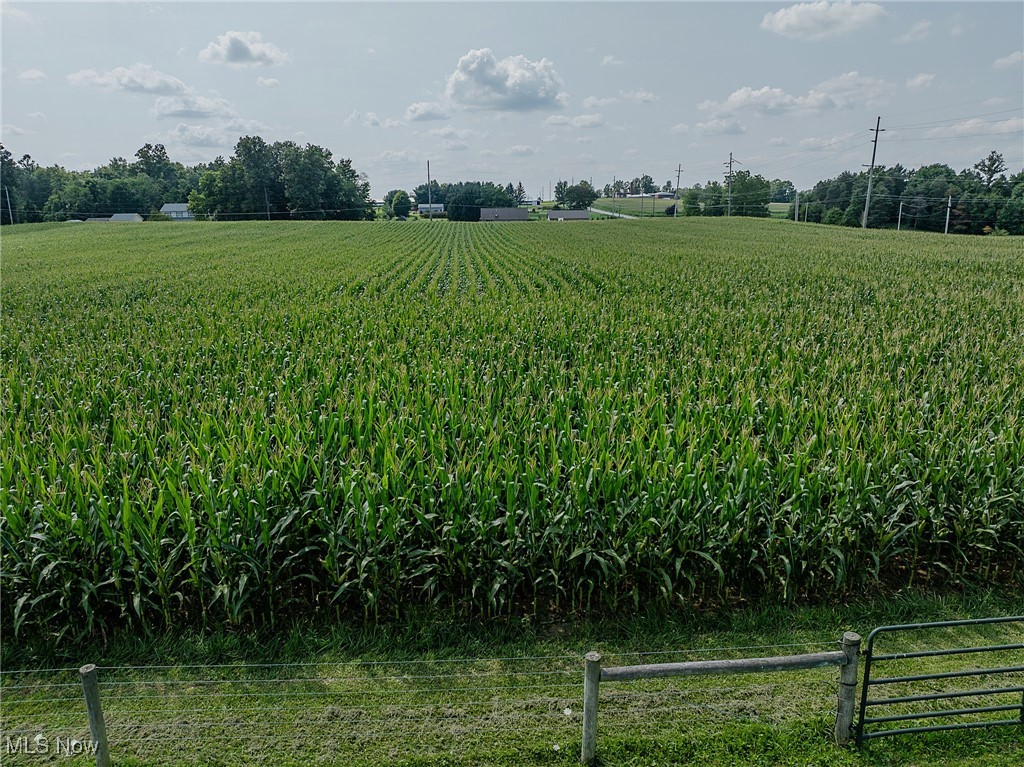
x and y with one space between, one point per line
385 709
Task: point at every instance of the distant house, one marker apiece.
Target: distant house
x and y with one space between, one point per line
569 215
178 211
126 218
425 208
504 214
97 220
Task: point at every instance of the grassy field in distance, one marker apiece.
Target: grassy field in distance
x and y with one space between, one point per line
633 206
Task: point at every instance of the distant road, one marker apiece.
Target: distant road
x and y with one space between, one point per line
613 215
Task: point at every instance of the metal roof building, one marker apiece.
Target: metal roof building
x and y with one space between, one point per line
178 211
504 214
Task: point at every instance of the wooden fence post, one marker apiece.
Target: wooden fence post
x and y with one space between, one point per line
97 727
591 685
847 688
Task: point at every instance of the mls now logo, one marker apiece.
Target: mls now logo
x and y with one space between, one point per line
41 744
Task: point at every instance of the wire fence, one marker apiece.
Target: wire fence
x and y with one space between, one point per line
385 710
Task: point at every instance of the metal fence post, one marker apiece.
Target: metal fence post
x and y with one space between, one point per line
591 684
847 688
97 727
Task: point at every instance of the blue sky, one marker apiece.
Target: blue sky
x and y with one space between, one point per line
531 92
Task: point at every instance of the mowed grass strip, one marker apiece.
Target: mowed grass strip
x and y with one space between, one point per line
232 423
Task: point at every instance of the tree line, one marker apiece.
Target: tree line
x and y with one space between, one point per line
979 200
261 180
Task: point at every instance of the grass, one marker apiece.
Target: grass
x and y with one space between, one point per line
633 206
358 713
229 423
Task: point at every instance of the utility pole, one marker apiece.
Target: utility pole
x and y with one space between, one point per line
430 201
728 176
10 215
899 218
679 173
949 207
266 201
796 209
867 200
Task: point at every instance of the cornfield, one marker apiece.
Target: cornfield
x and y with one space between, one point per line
235 424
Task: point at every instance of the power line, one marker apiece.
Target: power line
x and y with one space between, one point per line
953 120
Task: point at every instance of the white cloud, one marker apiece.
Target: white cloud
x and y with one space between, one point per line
267 82
456 133
1015 59
843 92
958 26
917 82
580 121
480 81
916 33
593 102
852 89
679 128
198 136
822 19
10 13
371 120
138 78
611 61
778 141
396 156
32 75
11 130
728 126
38 116
242 49
520 150
241 125
192 107
976 125
422 111
824 143
454 145
640 95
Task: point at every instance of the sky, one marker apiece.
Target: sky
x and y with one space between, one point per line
522 92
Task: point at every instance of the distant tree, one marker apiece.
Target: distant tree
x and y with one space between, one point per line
750 195
781 191
647 185
153 161
465 199
560 189
520 195
712 199
668 187
401 204
990 167
580 196
691 202
436 194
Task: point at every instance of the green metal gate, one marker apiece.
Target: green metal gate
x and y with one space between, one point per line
1008 687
